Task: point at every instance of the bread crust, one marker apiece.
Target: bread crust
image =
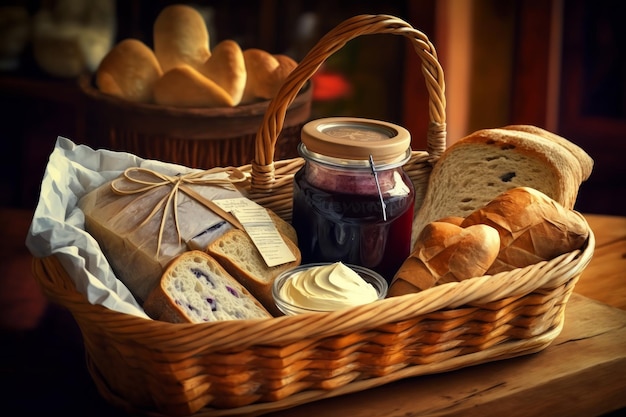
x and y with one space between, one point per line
162 305
413 276
585 161
226 67
129 71
565 168
266 74
518 228
184 86
444 253
532 228
180 37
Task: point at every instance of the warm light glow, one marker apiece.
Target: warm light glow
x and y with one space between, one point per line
329 86
454 26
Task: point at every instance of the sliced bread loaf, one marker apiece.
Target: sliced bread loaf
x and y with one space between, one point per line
479 167
195 288
236 252
585 161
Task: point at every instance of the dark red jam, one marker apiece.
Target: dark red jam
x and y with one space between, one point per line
339 217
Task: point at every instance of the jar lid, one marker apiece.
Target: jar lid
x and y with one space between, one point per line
352 138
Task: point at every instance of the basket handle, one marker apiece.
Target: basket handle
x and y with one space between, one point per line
262 168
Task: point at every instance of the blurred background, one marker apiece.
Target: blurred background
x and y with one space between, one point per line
555 64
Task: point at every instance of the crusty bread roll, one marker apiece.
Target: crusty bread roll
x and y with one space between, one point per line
236 252
477 168
129 71
196 289
266 73
532 228
226 67
413 276
184 86
444 253
520 227
260 65
454 253
181 36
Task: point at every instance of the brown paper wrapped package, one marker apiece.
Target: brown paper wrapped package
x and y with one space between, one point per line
128 227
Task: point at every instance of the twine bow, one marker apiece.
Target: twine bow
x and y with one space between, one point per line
152 179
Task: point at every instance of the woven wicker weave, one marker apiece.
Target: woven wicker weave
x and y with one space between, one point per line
193 137
252 367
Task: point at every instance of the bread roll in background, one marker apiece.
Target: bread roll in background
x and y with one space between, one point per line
181 37
259 66
129 71
532 228
286 64
444 253
226 67
266 74
71 36
184 86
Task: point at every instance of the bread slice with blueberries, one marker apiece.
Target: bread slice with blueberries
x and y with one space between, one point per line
195 288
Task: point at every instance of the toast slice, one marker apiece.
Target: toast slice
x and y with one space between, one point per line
236 252
585 161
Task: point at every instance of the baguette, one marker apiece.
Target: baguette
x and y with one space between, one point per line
479 167
195 289
532 228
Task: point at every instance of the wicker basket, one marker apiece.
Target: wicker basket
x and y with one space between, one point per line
251 367
195 137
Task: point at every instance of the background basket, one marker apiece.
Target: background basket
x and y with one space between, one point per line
193 137
255 366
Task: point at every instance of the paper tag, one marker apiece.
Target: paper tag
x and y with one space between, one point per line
261 229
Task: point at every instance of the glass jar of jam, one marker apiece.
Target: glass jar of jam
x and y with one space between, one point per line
352 201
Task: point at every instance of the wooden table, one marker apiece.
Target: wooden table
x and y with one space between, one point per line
583 372
605 278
